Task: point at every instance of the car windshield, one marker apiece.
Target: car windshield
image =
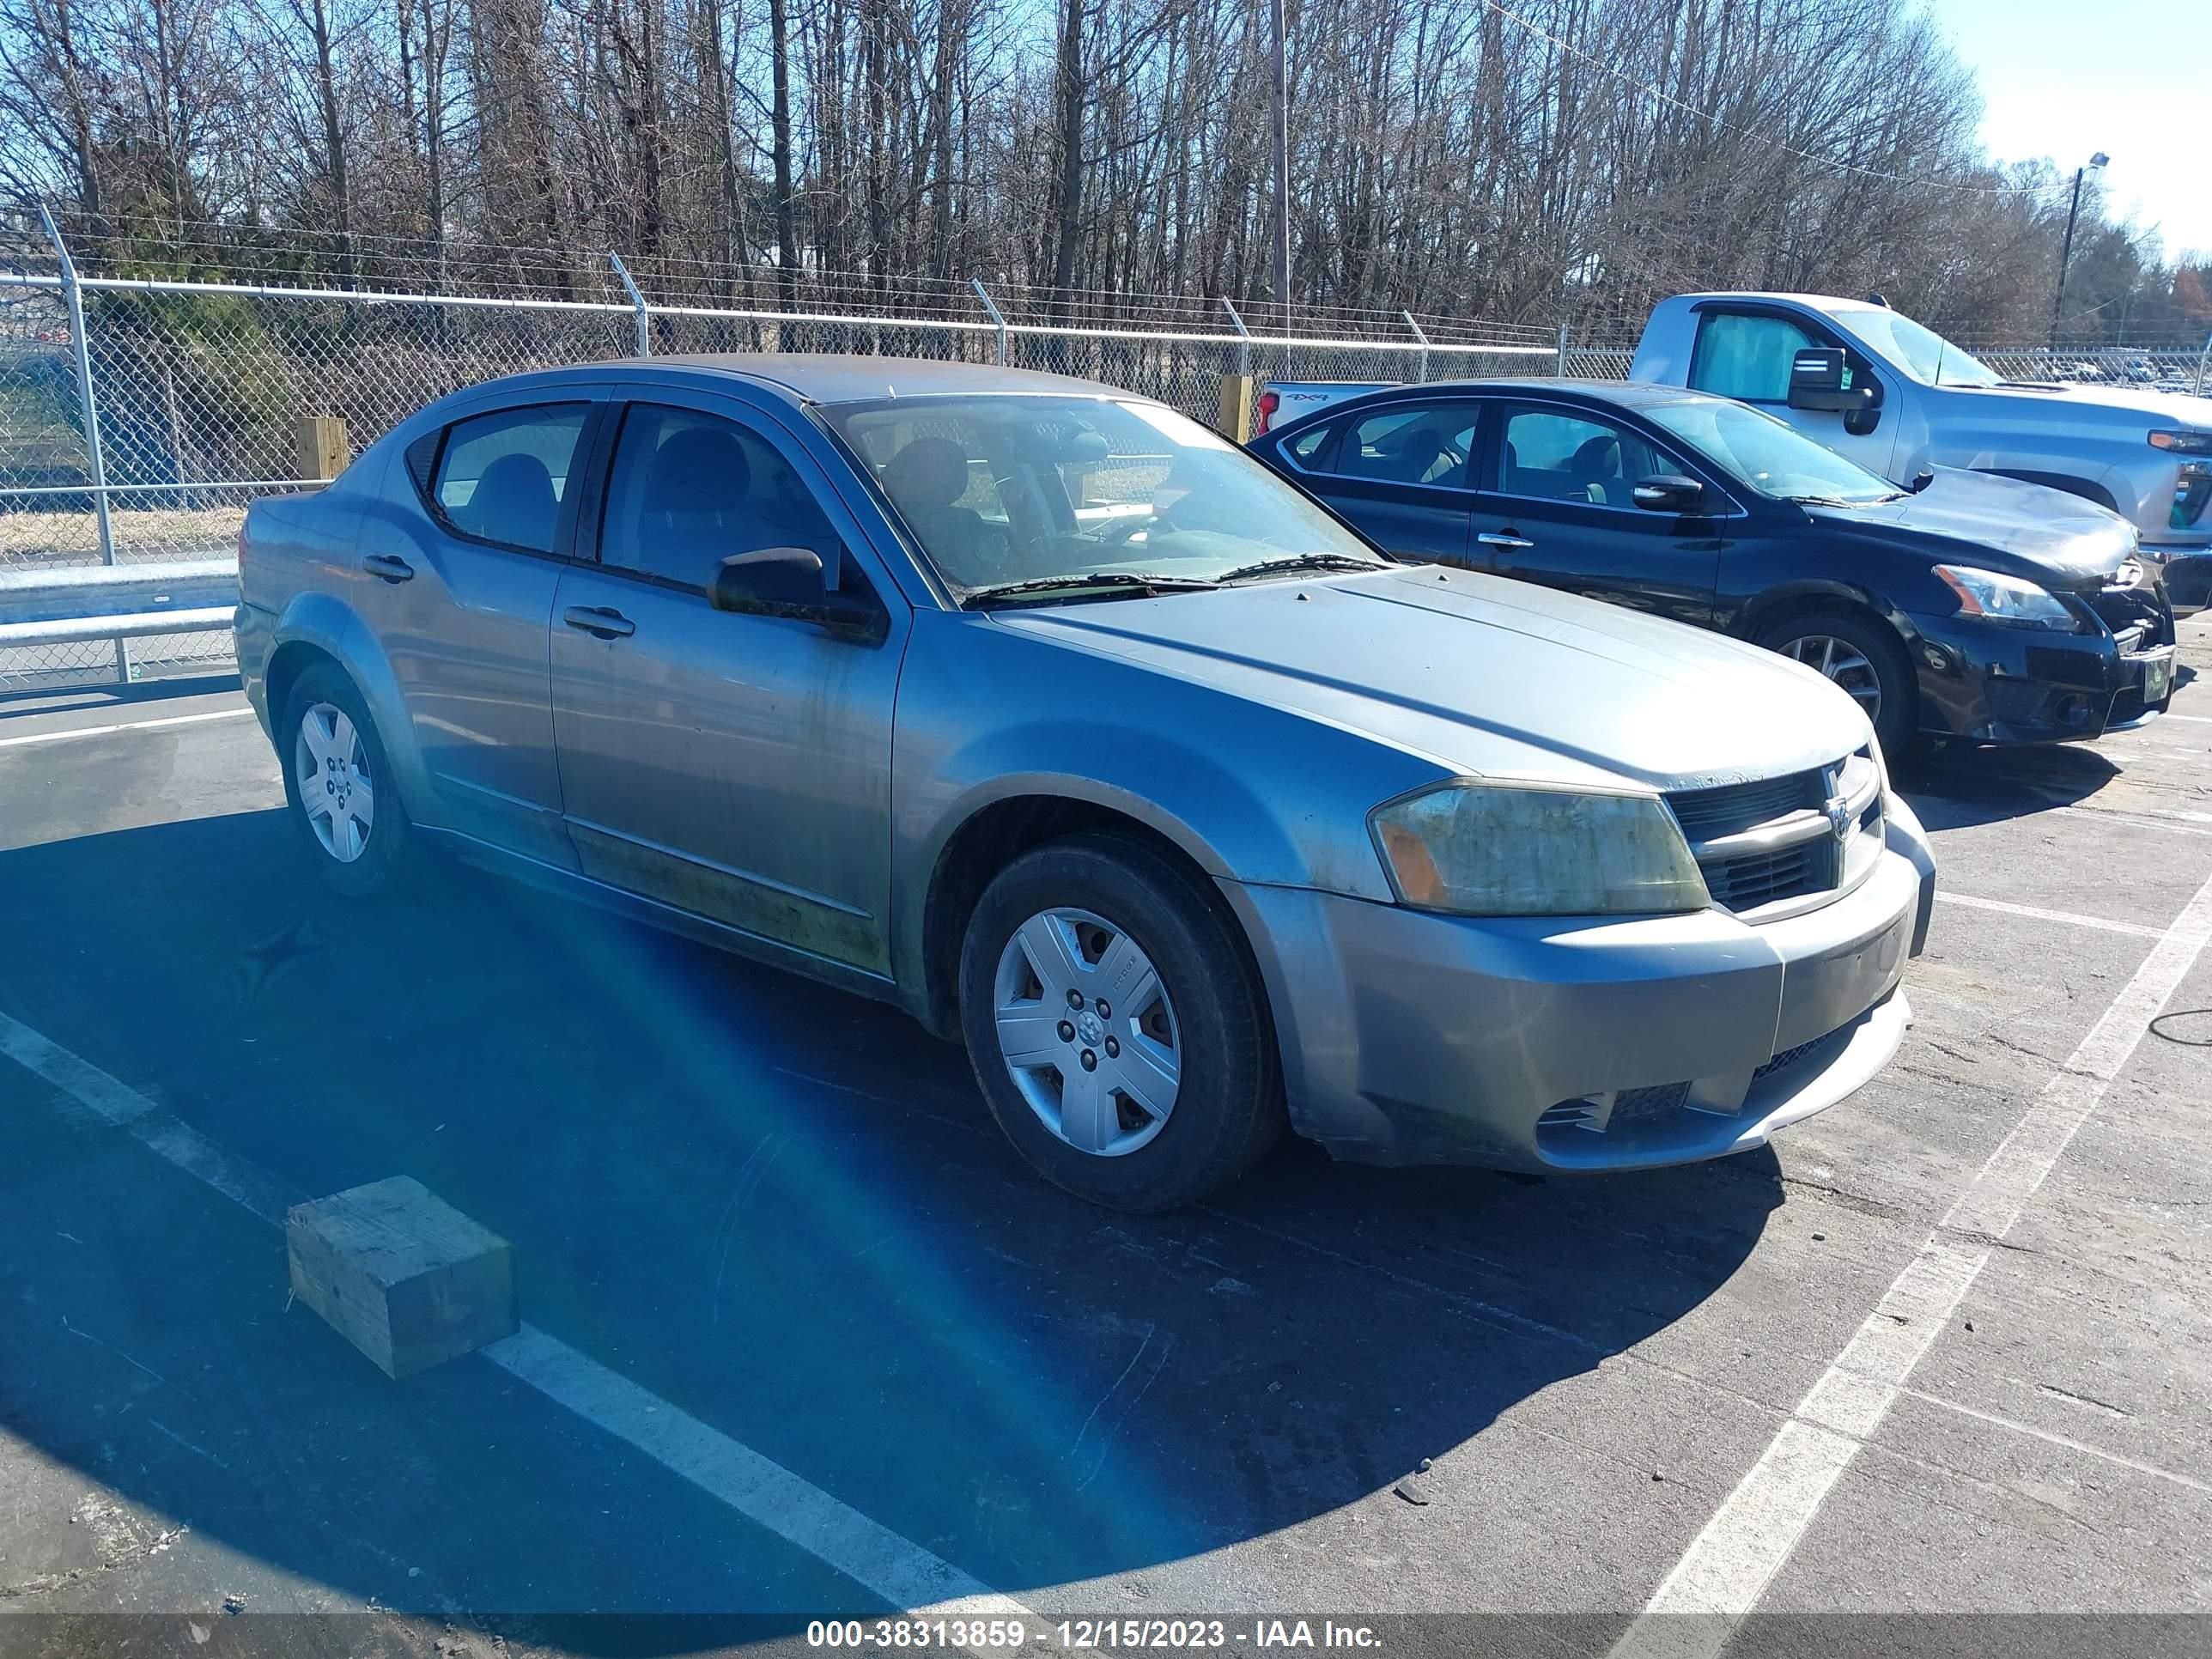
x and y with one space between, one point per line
1774 459
1919 350
1050 492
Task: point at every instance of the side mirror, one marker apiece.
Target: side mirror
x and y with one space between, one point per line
1670 492
1820 379
789 581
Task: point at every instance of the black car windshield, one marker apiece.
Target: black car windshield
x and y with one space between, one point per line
1774 459
1011 488
1920 350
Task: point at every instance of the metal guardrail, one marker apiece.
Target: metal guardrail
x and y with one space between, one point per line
116 602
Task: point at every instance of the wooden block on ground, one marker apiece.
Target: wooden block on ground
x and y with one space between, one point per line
402 1275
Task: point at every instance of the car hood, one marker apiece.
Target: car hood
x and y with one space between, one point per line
1489 677
2123 405
2002 524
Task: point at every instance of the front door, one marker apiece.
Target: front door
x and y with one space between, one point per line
1399 472
1557 508
1745 355
736 767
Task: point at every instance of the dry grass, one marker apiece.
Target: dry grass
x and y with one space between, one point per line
139 534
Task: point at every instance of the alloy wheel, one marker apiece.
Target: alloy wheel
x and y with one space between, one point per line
1845 664
1087 1032
330 765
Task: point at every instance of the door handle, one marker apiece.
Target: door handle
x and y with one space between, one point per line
1495 538
385 567
598 622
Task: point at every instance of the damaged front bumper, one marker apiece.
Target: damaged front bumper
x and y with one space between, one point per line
1582 1044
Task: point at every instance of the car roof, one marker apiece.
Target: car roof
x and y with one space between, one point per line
822 377
1827 302
1625 394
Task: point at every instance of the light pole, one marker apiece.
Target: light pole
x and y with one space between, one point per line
2066 249
1278 96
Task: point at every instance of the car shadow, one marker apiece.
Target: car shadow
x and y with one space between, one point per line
781 1207
1953 785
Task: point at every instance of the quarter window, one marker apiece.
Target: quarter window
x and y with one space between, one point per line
690 490
1418 443
503 477
1744 355
1553 456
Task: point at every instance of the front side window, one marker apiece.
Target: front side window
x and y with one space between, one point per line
688 490
1008 488
1744 355
503 477
1553 456
1420 443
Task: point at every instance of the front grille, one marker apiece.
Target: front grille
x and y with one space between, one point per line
1763 879
1734 807
1770 841
2138 621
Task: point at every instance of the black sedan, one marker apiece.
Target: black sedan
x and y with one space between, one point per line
1971 607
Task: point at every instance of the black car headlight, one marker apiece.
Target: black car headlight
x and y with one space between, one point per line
1991 596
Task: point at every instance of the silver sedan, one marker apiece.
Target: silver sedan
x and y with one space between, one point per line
1042 711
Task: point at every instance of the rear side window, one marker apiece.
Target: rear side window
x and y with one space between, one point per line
690 489
1739 355
1307 447
502 476
1420 443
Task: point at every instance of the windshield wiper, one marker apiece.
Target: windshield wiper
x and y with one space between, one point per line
1837 500
1111 584
1301 562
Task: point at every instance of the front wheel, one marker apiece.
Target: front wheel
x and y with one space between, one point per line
1116 1025
1860 656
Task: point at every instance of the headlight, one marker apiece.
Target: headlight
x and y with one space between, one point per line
2182 443
1482 849
1993 598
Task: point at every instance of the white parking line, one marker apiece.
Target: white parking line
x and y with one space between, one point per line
123 726
2194 719
2035 912
891 1566
1729 1564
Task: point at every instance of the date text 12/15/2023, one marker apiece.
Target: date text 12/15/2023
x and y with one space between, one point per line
1122 1634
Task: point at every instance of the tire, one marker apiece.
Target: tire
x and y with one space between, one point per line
1884 667
330 780
1122 1137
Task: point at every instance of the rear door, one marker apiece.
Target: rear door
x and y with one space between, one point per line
1556 508
458 587
1399 471
736 767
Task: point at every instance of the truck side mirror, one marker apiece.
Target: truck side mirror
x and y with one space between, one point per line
1821 378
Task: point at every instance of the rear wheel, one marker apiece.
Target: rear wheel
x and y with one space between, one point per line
1117 1028
1862 657
336 783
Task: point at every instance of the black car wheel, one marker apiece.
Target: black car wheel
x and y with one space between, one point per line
1117 1026
1863 657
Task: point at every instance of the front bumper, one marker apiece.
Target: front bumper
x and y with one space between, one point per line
1991 684
1538 1044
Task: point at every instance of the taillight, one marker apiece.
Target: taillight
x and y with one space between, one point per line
1269 403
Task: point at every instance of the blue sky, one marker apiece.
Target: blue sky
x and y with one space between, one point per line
2065 78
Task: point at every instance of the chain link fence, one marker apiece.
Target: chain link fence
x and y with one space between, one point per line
144 449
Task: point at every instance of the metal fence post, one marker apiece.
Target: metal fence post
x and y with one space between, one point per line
637 304
73 294
997 321
2202 358
1559 371
1243 338
1421 373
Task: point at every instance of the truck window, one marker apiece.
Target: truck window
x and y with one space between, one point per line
1745 355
